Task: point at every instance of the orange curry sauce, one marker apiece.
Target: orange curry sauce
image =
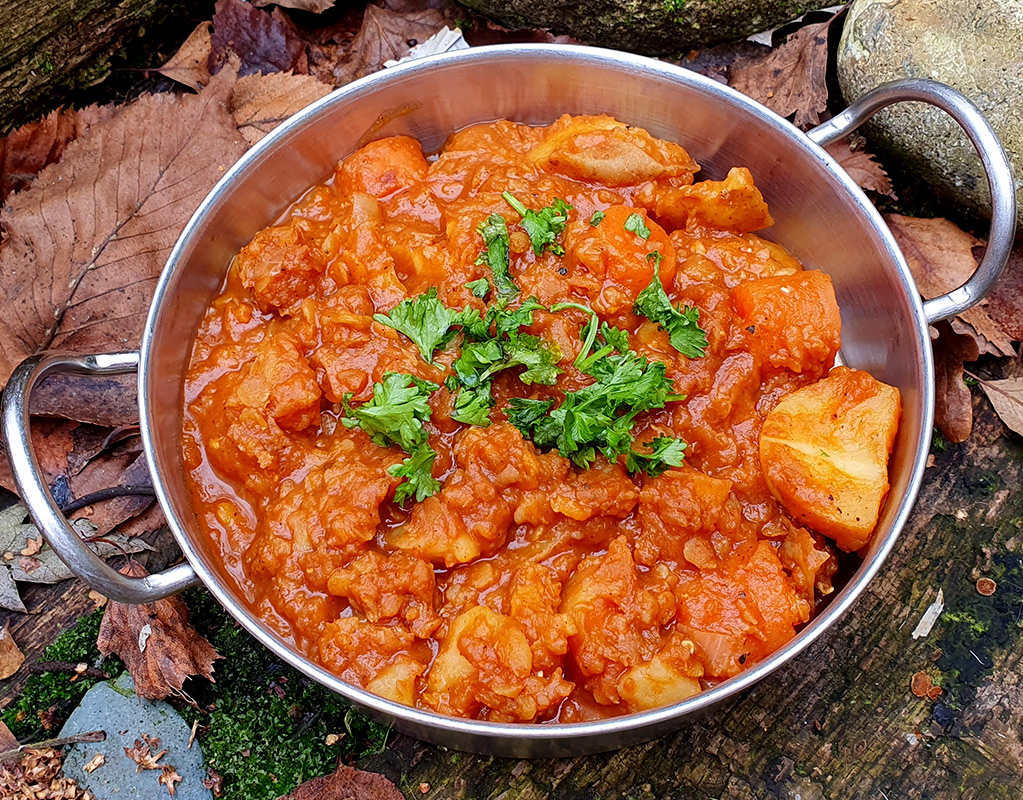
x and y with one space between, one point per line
526 589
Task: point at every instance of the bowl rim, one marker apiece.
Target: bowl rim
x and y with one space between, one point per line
469 731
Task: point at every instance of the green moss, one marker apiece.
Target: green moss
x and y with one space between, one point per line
264 726
57 691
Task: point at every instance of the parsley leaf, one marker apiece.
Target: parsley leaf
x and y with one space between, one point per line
596 218
526 414
683 327
494 231
417 470
543 226
532 352
424 320
472 406
395 415
396 412
480 288
635 224
666 452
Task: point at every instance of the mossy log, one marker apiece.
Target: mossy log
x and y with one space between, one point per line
648 26
840 721
51 49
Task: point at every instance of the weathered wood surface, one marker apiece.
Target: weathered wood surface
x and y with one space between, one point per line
840 721
48 48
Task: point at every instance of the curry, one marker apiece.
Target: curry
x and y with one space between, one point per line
536 429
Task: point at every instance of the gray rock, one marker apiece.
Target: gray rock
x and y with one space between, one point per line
975 46
112 706
648 26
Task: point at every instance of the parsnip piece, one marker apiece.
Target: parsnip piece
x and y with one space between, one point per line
824 451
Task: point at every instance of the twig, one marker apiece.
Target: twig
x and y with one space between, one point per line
66 666
11 756
107 494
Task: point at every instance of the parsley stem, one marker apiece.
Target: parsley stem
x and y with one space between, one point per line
515 203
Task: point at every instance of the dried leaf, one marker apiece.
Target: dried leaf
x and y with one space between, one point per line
87 242
37 775
52 440
261 102
169 777
45 566
953 404
791 79
862 167
108 400
11 659
173 650
386 36
190 65
264 42
95 763
1007 398
1005 303
922 686
108 474
25 151
142 752
940 256
8 741
313 6
347 783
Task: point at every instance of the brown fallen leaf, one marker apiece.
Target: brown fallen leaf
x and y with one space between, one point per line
1005 303
88 240
385 35
156 642
940 256
32 547
190 65
1007 398
143 756
313 6
214 781
52 439
95 763
11 657
106 476
347 783
37 775
108 400
953 404
260 102
168 777
922 686
26 150
264 42
8 741
862 167
791 79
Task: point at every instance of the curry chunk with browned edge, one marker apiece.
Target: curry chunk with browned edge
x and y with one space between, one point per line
535 429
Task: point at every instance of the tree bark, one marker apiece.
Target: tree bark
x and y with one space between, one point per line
51 49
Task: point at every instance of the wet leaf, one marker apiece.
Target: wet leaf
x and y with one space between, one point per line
7 739
347 783
791 79
11 659
953 404
87 242
1007 398
313 6
862 167
163 655
940 256
385 36
190 65
260 102
264 42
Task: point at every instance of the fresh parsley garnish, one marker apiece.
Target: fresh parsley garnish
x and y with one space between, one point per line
596 218
395 416
655 256
599 417
683 327
480 288
665 452
494 231
424 320
472 406
634 223
543 226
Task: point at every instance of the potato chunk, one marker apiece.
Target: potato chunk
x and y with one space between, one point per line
824 451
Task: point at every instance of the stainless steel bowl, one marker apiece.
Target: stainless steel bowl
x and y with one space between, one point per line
821 216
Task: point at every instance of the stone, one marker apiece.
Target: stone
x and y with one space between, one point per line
975 46
648 26
113 706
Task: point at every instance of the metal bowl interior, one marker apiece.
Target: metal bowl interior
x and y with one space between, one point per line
821 216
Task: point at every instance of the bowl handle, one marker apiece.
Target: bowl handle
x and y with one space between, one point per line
59 535
996 167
